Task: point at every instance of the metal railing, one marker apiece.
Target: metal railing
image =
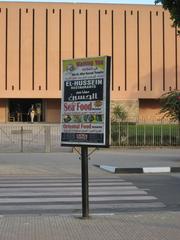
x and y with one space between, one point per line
145 134
30 138
16 137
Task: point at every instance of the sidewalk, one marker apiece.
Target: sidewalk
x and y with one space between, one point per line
146 226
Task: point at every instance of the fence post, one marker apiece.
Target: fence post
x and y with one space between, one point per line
119 134
161 135
170 134
47 139
178 141
22 139
127 133
144 134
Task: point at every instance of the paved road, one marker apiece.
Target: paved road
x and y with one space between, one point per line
110 195
164 186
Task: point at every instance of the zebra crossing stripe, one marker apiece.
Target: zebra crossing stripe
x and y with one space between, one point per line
74 193
75 199
62 184
63 180
69 188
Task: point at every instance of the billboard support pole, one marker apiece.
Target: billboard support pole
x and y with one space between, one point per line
85 182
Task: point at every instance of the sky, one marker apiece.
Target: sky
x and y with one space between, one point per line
90 1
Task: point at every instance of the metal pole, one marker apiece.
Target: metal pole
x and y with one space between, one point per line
119 134
144 134
161 135
47 139
153 136
170 143
22 139
85 184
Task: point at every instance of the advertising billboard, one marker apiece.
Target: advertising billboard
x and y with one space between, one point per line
85 102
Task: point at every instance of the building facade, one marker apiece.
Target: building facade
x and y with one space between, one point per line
36 37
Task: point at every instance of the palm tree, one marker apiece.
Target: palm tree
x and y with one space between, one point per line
170 105
119 114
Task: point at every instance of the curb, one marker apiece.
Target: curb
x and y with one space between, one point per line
115 170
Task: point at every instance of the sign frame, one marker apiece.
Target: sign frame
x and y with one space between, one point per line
93 76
